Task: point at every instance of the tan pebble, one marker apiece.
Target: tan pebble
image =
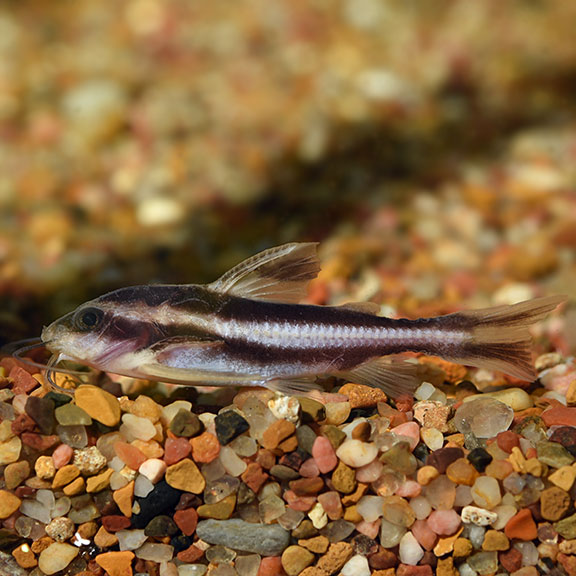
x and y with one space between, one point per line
426 474
344 479
150 449
145 407
99 482
567 547
455 440
554 503
45 468
10 450
337 413
462 548
295 559
98 404
351 514
445 567
185 476
75 487
88 529
116 563
60 529
313 571
355 496
56 557
276 433
461 471
124 498
65 475
571 393
495 541
105 539
318 544
564 477
535 467
338 554
25 557
16 473
219 510
446 545
9 503
361 396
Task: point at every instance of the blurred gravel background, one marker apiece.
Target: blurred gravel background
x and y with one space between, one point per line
430 145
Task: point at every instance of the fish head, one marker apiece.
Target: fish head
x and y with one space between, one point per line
97 335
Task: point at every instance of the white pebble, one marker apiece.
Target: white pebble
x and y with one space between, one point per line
154 469
192 570
356 566
370 507
355 453
410 551
159 211
118 481
421 507
36 510
504 513
142 486
137 428
131 539
232 463
318 516
432 437
168 569
424 391
285 408
486 492
478 516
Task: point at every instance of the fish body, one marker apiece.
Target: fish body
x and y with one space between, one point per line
248 328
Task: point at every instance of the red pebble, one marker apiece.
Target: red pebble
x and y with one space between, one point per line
332 504
205 448
324 455
507 440
406 570
62 455
130 455
175 449
22 423
23 381
271 566
190 555
39 442
521 526
559 415
254 477
309 469
568 563
426 537
511 560
186 520
115 523
299 503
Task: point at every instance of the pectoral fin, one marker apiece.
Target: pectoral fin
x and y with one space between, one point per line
279 274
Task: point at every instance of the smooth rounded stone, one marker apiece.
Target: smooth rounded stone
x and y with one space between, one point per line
142 486
311 410
10 450
410 551
9 503
390 534
421 507
98 404
155 552
137 428
271 508
432 437
267 540
244 446
356 566
463 496
444 522
486 492
400 458
295 559
338 530
478 516
217 490
553 454
186 424
17 472
192 570
291 519
61 507
504 513
248 565
441 493
337 412
41 410
56 557
36 510
232 463
397 511
355 453
484 563
529 553
480 459
47 498
324 455
370 507
516 398
484 417
220 555
169 411
85 514
131 539
153 469
73 436
72 415
185 476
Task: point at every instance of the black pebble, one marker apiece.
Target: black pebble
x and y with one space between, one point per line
186 424
41 410
161 526
162 499
479 458
421 452
230 425
181 542
58 399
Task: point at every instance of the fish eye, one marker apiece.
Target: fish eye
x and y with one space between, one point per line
88 318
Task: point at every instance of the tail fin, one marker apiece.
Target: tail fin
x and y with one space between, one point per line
500 339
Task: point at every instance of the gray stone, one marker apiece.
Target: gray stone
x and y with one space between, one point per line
267 540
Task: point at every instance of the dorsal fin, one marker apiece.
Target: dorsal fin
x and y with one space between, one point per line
278 274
